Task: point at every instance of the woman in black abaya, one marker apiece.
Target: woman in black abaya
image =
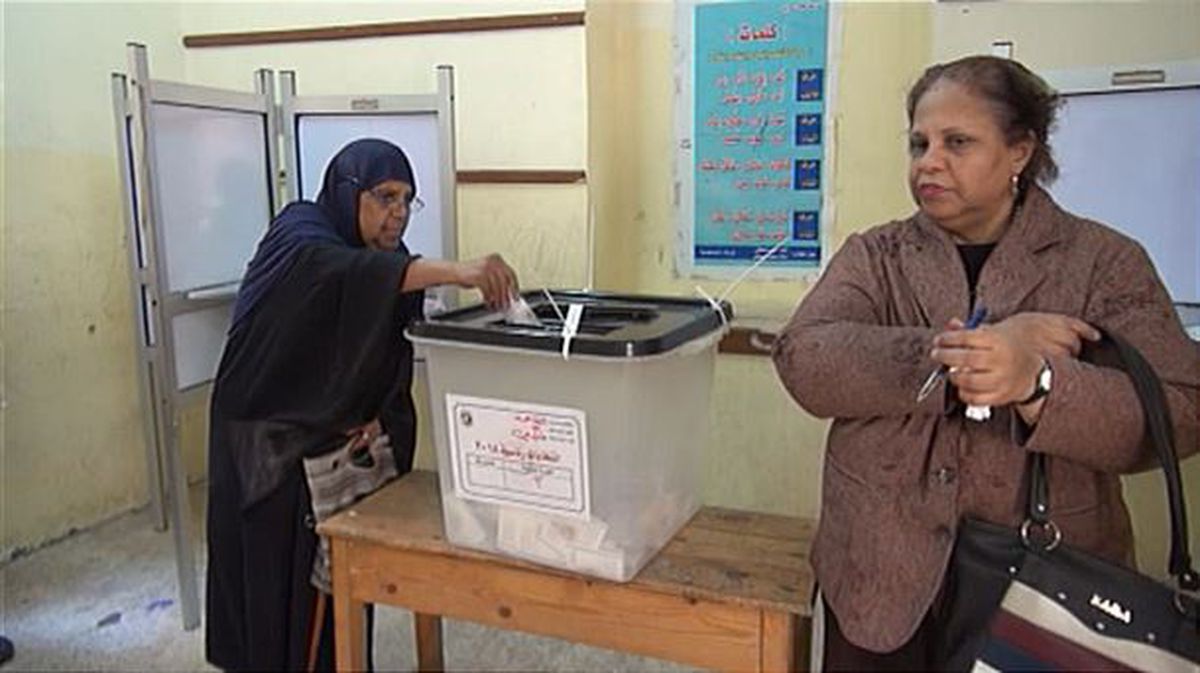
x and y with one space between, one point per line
316 354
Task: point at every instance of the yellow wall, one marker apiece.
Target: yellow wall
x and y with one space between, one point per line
1118 34
763 452
72 449
1072 34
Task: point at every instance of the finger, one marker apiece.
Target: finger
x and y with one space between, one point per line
980 399
485 288
363 440
1073 326
977 338
1084 329
954 324
493 294
508 281
977 382
1073 349
976 387
961 357
1069 342
502 288
1059 345
502 292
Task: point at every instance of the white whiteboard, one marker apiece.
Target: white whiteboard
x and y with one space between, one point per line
1131 159
320 136
199 337
212 188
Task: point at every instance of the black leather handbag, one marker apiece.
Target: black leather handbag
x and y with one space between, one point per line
1020 599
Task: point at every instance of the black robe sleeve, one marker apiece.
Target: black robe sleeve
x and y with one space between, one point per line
399 414
322 353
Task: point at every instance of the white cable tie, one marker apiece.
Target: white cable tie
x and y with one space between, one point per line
571 328
757 263
554 304
716 305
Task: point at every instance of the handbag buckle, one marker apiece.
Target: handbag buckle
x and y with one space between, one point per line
1187 589
1047 533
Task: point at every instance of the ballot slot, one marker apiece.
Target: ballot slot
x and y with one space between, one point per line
596 320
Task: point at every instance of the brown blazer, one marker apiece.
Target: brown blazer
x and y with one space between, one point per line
898 474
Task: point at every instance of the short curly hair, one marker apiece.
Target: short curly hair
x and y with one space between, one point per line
1023 103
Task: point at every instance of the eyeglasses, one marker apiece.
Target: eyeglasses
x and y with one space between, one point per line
390 199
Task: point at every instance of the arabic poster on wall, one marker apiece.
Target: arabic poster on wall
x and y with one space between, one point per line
752 164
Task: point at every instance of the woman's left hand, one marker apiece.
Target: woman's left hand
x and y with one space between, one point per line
366 433
990 366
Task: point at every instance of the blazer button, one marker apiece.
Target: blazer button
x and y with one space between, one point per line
944 475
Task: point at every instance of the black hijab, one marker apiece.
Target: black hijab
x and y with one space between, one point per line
333 219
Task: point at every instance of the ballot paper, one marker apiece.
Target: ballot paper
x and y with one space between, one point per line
978 413
519 313
545 538
465 521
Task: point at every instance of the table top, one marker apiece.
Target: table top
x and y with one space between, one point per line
732 556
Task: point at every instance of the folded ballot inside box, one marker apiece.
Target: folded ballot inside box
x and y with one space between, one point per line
572 441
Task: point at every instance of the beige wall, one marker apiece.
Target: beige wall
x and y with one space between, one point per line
1070 34
1066 35
763 452
72 450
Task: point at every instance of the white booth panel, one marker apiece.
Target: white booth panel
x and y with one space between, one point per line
199 339
320 136
213 186
1131 159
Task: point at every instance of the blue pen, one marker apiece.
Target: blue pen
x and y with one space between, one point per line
975 320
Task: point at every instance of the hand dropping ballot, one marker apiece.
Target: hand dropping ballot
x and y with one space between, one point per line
519 313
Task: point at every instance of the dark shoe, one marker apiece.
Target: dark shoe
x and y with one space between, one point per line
6 650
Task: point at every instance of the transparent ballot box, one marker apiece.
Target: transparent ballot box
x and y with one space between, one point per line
573 438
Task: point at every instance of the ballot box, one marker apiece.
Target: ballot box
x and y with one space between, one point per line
572 440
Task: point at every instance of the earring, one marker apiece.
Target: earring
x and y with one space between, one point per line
1016 184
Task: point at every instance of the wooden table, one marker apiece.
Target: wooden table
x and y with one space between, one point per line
731 590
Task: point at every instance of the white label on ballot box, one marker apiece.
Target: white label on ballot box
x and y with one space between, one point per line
515 453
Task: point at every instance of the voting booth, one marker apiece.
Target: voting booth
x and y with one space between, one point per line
1128 149
202 176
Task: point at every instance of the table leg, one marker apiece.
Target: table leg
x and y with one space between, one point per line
349 615
429 641
778 642
803 643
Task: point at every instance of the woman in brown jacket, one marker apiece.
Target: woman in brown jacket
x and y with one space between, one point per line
899 473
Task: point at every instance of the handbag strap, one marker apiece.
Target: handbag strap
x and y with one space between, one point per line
1157 415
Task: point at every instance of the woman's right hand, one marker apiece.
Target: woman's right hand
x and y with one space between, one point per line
492 276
